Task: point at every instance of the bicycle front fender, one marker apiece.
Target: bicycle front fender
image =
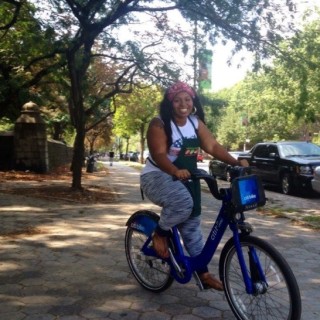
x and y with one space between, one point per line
235 243
144 221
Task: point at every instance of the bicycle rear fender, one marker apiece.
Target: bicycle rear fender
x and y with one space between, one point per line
144 221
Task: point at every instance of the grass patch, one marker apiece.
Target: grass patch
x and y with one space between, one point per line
313 220
26 231
278 212
135 165
310 221
99 166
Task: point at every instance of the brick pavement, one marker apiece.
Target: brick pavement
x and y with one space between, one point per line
72 264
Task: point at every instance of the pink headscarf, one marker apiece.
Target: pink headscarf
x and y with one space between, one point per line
179 87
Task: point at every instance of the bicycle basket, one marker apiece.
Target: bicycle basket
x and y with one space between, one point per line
247 193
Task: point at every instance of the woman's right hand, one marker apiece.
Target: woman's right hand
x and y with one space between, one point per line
244 163
182 174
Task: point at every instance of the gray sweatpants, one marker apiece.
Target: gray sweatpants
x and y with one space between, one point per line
177 204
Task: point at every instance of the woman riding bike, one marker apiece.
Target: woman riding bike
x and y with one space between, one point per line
174 139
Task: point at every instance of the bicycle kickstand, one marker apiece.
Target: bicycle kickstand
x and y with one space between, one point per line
175 264
198 281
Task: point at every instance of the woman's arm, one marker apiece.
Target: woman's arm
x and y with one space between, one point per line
157 144
211 146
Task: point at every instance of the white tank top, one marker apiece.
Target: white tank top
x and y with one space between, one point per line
187 131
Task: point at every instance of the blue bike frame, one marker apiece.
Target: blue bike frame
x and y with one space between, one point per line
190 264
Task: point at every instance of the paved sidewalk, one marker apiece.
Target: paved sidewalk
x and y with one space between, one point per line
72 265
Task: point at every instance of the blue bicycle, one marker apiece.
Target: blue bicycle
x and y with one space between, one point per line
258 282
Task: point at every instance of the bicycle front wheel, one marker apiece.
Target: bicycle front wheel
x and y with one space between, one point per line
279 299
151 272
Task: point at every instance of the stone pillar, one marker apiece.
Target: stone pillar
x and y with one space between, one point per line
30 140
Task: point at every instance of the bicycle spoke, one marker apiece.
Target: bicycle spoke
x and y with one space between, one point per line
274 302
152 273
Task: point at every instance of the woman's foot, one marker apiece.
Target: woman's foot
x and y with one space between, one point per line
210 282
160 245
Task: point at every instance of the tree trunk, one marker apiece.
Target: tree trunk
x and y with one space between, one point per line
142 142
77 160
127 144
57 131
76 107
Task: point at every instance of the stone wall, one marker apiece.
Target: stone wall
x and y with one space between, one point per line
6 151
27 147
30 140
59 154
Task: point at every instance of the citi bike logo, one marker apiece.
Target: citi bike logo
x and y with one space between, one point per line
216 229
249 197
137 226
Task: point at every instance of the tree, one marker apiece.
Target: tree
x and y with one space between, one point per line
281 101
296 80
253 115
12 8
91 20
24 60
135 112
99 136
213 107
258 26
85 29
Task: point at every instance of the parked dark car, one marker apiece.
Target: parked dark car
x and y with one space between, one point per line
288 164
131 156
220 169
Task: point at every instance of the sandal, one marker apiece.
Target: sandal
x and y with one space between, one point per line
210 282
160 245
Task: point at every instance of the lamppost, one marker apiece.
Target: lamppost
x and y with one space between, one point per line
245 123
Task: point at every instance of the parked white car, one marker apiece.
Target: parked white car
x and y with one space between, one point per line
316 180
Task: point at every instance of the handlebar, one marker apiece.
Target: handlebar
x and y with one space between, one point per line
239 171
212 182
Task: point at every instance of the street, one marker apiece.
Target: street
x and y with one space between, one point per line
300 202
73 264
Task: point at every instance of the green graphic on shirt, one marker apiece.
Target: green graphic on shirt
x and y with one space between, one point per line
191 151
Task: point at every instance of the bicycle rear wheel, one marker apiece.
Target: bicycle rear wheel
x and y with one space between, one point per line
151 272
279 300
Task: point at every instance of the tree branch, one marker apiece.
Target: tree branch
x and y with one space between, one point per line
14 19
